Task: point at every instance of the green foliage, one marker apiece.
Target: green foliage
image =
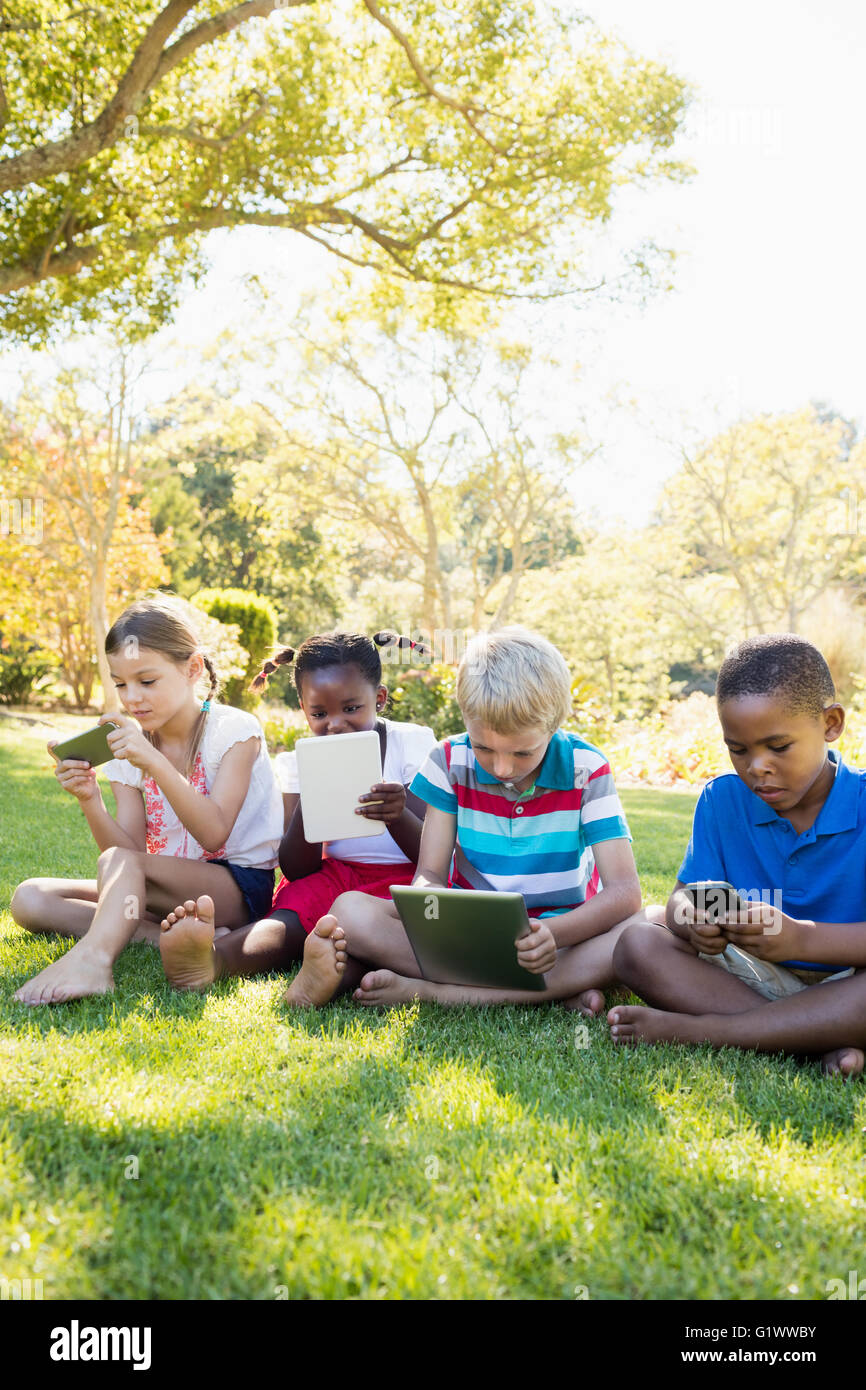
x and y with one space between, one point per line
282 732
24 665
802 474
448 152
426 697
681 742
241 515
256 621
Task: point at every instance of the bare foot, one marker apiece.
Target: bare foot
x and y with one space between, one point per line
843 1061
589 1002
76 975
631 1023
186 945
379 988
324 962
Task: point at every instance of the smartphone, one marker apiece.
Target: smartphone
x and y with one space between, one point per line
715 898
90 747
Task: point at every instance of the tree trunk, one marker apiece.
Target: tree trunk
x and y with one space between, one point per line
99 628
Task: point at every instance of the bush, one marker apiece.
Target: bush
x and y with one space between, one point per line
281 733
23 665
681 743
256 620
427 697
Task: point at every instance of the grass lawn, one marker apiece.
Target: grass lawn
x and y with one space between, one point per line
155 1145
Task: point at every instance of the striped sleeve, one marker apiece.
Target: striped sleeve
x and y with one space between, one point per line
601 813
432 782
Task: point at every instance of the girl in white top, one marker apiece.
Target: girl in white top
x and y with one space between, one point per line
338 677
198 810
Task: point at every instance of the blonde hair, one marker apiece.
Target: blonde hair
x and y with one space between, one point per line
514 679
160 624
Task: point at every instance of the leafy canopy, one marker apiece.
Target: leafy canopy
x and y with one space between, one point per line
449 142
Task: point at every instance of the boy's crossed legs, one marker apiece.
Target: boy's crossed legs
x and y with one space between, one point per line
694 1001
364 928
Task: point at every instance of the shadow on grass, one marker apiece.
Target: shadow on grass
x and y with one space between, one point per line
335 1195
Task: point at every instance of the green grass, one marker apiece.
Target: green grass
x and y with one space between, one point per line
421 1153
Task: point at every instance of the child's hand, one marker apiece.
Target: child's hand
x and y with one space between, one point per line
706 936
76 776
766 933
536 951
129 742
703 935
384 801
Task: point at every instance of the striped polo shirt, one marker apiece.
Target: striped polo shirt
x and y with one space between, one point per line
538 842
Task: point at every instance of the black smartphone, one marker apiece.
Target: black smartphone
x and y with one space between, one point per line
715 898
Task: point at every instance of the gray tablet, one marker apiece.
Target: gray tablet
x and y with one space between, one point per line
463 937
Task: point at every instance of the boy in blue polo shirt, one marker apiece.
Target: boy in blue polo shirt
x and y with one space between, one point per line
788 831
514 804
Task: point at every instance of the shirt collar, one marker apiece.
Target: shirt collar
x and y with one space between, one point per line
557 766
839 811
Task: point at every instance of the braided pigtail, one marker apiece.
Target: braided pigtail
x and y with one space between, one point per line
279 658
198 730
393 639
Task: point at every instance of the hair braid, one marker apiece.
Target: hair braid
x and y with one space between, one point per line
278 658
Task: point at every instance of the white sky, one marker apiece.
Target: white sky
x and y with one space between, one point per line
769 309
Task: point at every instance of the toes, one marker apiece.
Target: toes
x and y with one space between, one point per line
189 907
376 979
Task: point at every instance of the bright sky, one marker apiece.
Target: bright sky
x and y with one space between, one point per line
769 309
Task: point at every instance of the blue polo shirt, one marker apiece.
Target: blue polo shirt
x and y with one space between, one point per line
820 875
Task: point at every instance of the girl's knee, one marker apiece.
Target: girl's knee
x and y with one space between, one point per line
351 906
27 907
116 857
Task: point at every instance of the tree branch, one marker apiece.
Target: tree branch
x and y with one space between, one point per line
467 110
149 65
217 26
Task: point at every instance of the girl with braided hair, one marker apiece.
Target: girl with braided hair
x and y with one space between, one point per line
338 676
198 810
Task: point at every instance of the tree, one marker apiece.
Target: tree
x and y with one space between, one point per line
218 476
97 549
599 608
434 443
762 518
444 142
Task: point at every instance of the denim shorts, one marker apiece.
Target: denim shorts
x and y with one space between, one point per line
256 885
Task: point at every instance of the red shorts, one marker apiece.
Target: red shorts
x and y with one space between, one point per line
313 896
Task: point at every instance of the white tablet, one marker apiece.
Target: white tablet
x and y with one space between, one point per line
333 771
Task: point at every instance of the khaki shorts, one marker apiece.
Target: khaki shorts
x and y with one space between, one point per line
765 977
